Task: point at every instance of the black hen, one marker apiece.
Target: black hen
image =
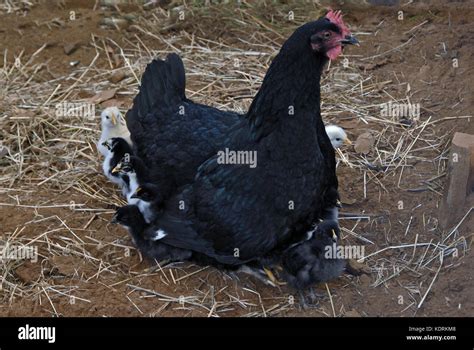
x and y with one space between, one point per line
235 213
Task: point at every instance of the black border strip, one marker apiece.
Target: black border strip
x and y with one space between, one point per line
87 331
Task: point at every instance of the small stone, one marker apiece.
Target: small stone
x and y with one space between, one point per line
28 272
117 76
70 48
364 143
103 96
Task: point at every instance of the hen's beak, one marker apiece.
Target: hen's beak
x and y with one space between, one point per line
114 119
117 168
350 40
347 141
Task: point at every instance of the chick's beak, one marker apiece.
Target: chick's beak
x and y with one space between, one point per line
117 169
135 194
114 119
350 40
347 141
114 219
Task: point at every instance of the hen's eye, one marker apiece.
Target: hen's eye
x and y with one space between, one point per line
326 35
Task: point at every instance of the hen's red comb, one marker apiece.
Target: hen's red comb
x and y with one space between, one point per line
336 18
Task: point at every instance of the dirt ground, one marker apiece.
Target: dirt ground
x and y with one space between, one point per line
53 195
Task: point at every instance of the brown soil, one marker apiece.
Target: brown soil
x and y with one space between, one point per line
102 269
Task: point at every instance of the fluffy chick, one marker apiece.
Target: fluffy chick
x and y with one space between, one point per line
149 196
337 135
113 125
117 149
310 261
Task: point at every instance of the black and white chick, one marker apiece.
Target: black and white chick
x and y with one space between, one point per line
314 260
149 200
125 169
113 125
141 191
131 218
118 149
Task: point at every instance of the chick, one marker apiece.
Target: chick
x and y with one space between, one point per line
311 261
130 217
117 149
142 189
149 196
113 125
337 136
125 169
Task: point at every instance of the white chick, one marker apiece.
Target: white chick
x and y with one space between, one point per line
113 125
337 135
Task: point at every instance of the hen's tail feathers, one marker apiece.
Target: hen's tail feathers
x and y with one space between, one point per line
162 86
